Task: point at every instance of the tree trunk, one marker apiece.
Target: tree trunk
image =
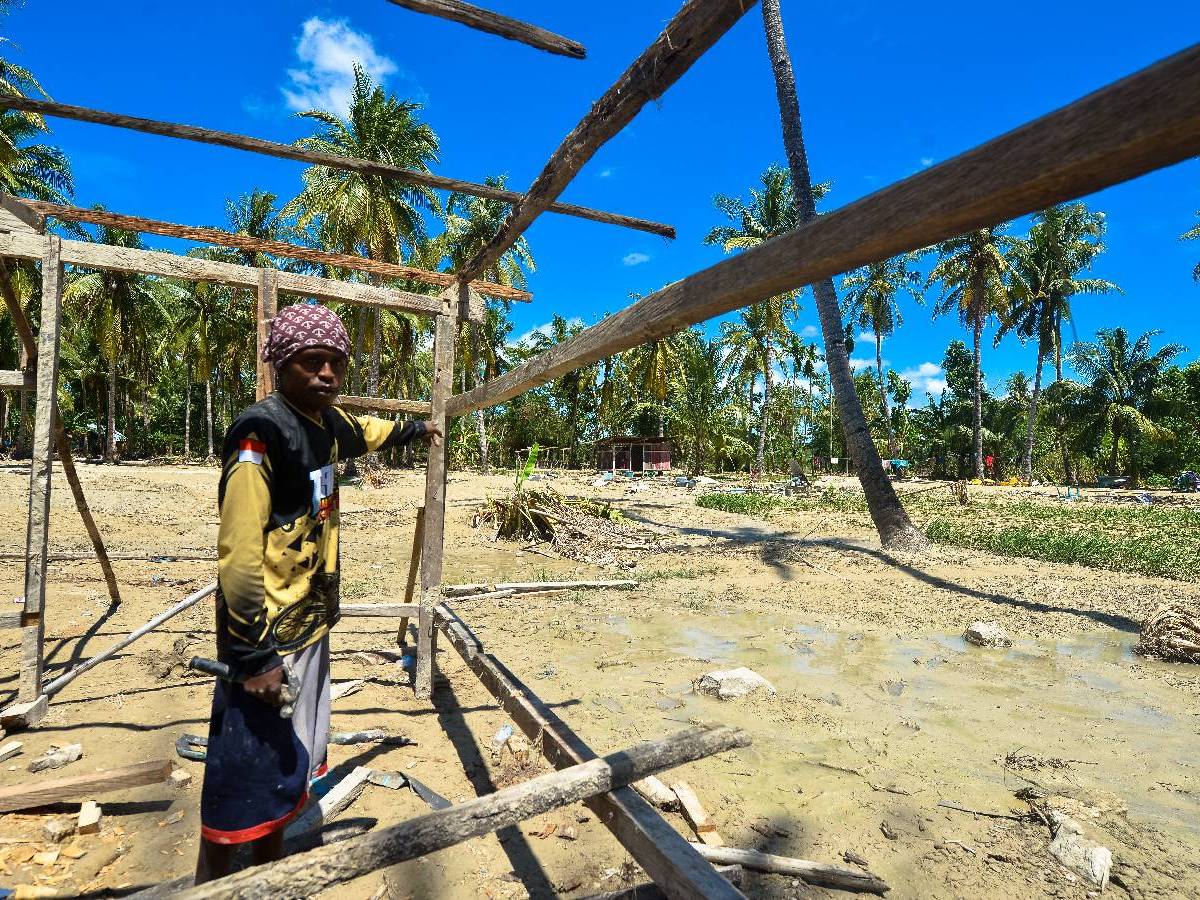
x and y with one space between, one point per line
376 352
977 399
110 443
1114 455
208 411
760 457
887 512
1058 355
481 430
187 418
887 412
1031 425
356 378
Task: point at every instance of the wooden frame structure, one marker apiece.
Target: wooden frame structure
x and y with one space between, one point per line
1146 121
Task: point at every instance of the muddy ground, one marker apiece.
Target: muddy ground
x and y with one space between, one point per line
882 710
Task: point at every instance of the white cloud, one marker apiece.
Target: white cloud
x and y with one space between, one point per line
327 50
546 330
635 258
605 173
866 338
926 378
926 161
810 331
857 364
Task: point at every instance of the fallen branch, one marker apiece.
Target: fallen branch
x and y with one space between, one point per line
814 873
307 874
946 804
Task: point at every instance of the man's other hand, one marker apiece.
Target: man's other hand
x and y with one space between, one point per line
433 434
266 686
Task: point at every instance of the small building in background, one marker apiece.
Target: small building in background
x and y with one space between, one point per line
633 454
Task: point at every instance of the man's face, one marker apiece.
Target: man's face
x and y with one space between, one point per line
312 378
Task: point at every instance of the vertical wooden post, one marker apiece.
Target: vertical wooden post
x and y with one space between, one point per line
414 566
40 468
445 335
268 303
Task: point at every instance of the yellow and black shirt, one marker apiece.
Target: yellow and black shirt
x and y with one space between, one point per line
278 540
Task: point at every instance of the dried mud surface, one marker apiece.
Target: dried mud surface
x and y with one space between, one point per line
882 711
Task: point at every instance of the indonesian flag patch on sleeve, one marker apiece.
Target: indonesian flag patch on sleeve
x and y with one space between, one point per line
251 451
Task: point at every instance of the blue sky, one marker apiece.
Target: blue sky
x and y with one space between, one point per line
885 89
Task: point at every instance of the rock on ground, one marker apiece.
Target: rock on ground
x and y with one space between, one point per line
987 634
733 684
1077 853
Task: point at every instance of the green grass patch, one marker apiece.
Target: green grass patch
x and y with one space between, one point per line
746 504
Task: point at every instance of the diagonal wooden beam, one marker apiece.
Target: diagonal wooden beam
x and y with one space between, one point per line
1144 122
494 23
223 238
287 151
695 28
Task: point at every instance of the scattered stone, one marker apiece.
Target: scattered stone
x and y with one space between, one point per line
887 831
854 859
1076 852
345 689
46 857
180 778
174 817
57 830
986 634
569 833
733 684
895 688
36 892
57 757
9 750
89 818
73 851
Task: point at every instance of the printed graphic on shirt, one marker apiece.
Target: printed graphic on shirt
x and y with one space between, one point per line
324 492
251 451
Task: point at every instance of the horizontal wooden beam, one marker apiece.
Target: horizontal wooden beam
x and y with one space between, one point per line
190 268
383 404
670 860
386 610
287 151
494 23
1144 122
22 213
224 238
81 787
695 28
16 380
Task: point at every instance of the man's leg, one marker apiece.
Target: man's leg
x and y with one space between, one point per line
215 861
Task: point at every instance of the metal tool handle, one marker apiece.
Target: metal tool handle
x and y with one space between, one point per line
212 667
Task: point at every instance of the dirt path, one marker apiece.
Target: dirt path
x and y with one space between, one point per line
882 711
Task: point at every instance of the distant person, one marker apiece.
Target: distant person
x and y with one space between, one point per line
277 552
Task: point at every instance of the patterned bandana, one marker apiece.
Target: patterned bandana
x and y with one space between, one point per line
301 326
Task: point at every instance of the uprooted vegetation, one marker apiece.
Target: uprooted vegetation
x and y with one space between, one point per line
1172 634
1161 540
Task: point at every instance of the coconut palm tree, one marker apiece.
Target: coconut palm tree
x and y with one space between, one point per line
752 348
355 212
1193 234
125 313
975 273
887 512
572 386
869 299
652 369
1121 375
1064 241
255 214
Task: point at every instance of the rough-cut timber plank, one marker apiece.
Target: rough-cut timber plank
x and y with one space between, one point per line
287 151
445 335
494 23
379 609
78 787
697 816
814 873
268 305
384 404
11 208
41 466
307 874
17 380
333 804
24 715
670 860
695 28
1144 122
53 687
262 245
169 265
650 891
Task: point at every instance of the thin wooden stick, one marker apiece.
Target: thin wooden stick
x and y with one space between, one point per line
53 687
1144 122
287 151
309 873
818 874
494 23
694 29
414 566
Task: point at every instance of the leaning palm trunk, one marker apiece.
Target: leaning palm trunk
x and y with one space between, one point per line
208 413
187 420
887 512
1030 426
887 412
977 399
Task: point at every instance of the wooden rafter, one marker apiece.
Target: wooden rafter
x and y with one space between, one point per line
223 238
287 151
695 28
494 23
1146 121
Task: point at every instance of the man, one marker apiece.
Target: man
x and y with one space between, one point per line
278 547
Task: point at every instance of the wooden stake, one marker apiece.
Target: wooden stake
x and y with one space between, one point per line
268 304
40 469
446 332
414 566
696 815
307 874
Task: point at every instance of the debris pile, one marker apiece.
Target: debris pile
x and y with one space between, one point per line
1172 634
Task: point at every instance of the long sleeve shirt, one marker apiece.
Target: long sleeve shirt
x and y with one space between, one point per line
278 539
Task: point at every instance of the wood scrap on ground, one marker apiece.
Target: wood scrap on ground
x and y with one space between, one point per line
814 873
79 787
